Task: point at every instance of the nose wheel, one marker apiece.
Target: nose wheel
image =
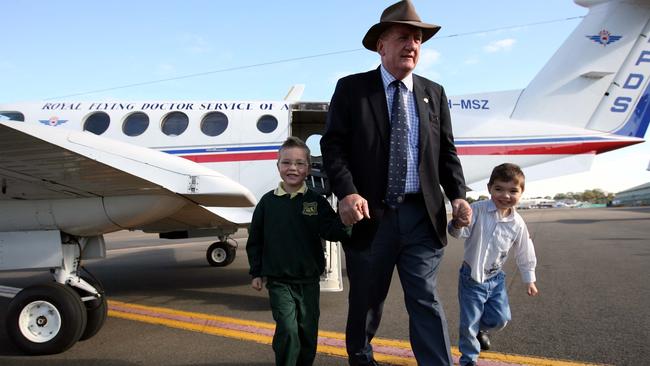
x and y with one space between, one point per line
221 254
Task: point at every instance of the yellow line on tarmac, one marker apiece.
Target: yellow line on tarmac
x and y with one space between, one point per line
530 361
261 332
201 328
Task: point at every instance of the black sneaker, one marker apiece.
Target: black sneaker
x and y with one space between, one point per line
483 340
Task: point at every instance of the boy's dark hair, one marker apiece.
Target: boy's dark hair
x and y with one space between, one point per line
293 141
508 172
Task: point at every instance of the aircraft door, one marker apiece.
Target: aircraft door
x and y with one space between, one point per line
307 121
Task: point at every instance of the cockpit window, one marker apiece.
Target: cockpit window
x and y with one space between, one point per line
267 123
175 123
214 123
135 124
97 123
16 116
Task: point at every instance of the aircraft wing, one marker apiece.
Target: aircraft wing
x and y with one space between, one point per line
572 164
47 164
238 215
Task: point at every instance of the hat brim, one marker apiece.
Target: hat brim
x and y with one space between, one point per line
372 36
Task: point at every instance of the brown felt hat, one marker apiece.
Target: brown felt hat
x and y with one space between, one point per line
402 12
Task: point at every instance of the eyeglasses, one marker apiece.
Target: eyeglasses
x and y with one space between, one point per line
300 164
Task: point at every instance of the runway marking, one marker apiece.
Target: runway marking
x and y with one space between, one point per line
394 352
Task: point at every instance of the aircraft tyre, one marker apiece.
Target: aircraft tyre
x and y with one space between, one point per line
46 319
221 254
96 310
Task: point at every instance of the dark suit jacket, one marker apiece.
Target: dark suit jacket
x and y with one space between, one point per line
355 149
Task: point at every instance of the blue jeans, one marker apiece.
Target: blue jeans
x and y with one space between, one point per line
483 306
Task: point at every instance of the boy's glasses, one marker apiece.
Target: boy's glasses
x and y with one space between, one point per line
300 164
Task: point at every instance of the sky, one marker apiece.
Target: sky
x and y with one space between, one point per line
256 50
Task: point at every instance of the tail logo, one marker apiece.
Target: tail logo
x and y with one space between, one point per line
604 37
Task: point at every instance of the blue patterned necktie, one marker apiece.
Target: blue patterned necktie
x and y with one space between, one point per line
398 148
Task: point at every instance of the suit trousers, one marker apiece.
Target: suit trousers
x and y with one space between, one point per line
405 239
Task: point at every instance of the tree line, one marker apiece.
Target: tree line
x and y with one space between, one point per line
596 195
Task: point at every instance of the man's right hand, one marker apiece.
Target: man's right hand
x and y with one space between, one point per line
353 208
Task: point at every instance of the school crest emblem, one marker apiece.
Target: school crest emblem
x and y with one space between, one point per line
310 208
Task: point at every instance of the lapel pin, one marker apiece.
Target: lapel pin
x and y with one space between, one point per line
426 100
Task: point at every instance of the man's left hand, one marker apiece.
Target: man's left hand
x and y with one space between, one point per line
461 212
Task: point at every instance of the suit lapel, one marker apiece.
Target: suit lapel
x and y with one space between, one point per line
377 100
423 104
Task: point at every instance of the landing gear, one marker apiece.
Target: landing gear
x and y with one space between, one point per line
50 318
46 319
221 253
96 308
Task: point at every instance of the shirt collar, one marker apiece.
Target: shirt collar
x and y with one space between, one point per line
388 78
281 192
491 207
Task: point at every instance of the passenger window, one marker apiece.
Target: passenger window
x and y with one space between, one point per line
214 123
15 116
135 124
267 123
97 123
175 123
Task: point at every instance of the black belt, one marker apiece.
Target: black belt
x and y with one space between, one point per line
413 197
409 197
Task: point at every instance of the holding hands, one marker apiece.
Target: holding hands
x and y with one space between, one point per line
461 213
353 208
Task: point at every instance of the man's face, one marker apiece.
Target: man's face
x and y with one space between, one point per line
399 48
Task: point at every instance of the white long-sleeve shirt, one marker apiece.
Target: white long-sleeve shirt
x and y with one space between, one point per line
489 238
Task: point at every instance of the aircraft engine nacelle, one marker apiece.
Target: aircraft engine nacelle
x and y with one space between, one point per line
87 216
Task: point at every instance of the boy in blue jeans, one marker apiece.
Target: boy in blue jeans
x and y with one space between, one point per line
284 246
496 228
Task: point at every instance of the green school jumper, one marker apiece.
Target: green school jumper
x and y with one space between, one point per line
284 245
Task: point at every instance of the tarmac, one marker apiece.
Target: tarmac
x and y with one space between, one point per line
169 307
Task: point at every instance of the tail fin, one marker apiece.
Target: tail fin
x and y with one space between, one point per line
599 78
295 93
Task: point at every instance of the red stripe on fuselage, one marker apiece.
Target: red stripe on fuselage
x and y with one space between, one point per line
217 158
546 149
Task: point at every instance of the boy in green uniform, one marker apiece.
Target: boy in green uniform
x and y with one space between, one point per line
284 246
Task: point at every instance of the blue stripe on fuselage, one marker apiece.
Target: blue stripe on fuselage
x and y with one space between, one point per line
530 140
637 124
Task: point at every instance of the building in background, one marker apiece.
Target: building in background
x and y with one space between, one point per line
635 196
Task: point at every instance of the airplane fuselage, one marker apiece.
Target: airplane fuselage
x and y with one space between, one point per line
240 139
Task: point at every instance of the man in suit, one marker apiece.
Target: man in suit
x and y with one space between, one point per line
387 179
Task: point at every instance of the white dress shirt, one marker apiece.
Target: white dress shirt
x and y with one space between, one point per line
489 238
